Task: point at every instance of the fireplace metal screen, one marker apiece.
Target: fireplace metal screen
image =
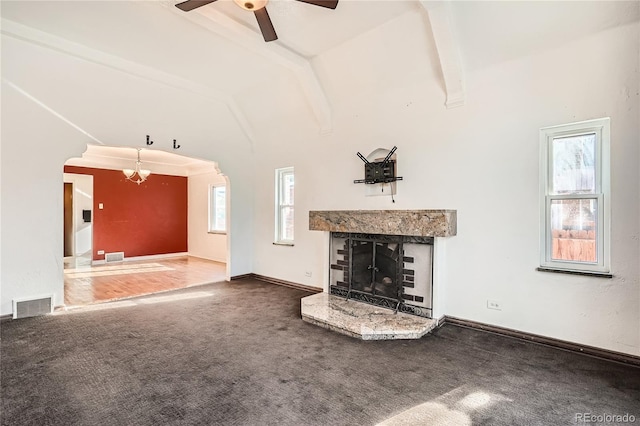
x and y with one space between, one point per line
391 271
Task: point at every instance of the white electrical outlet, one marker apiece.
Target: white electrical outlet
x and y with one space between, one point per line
100 252
307 274
494 304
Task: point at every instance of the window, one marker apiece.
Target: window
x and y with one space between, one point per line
574 190
284 206
217 209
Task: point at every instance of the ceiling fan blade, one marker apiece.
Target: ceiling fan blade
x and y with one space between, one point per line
192 4
329 4
268 32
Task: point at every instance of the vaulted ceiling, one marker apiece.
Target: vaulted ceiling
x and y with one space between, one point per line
217 50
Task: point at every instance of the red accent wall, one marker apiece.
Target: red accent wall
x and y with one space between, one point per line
145 219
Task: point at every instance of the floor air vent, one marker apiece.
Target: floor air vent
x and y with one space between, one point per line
114 257
25 308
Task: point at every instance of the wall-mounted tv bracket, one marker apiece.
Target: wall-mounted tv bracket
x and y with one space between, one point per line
379 171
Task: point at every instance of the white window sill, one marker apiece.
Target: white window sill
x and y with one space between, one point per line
218 232
282 243
573 272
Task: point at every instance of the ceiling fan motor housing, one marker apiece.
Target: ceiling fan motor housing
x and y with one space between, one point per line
251 4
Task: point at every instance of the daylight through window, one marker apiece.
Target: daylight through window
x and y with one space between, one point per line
218 209
574 192
284 205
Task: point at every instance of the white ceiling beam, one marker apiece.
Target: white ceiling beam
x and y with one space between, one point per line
447 46
34 36
234 31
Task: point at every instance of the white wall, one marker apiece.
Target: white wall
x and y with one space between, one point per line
82 200
32 205
481 159
202 243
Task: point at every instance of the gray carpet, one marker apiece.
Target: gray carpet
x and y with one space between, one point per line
239 354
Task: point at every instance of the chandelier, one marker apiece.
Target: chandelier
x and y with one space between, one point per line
138 175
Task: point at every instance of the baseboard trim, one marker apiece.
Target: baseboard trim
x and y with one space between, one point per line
278 281
548 341
285 283
146 257
243 276
207 258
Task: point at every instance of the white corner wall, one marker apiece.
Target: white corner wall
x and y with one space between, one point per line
201 243
481 159
32 201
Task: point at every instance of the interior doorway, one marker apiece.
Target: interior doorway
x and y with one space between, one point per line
78 212
68 219
146 224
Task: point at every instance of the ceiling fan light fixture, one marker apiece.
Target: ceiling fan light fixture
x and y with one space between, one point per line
251 4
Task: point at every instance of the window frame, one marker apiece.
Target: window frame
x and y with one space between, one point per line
601 128
213 207
281 173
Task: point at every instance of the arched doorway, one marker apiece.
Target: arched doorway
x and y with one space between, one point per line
149 233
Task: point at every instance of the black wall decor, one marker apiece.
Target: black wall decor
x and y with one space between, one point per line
150 142
379 171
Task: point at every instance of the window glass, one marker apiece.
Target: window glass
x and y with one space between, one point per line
218 209
574 167
287 224
287 185
573 230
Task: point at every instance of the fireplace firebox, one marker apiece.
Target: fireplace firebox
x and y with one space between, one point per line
392 271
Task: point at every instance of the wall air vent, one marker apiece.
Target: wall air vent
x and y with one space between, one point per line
25 308
114 257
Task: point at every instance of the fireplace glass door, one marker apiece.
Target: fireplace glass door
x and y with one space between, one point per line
375 268
385 270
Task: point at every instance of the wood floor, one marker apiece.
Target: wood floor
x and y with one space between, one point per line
85 284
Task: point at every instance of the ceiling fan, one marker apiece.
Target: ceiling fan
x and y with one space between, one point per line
259 9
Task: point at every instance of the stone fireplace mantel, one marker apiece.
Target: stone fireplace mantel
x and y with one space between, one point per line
423 223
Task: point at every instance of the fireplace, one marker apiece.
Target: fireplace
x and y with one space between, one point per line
392 260
392 271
